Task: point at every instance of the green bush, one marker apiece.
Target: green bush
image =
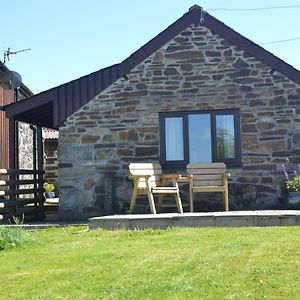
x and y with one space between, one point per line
12 237
293 185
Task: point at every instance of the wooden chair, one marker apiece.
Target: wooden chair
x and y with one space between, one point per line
207 178
147 180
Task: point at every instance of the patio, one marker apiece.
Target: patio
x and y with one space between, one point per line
255 218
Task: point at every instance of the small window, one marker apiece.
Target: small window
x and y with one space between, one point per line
201 136
174 138
225 136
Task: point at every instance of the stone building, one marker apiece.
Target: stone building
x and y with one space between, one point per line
197 92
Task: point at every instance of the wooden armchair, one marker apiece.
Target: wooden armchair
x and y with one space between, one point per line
207 178
147 180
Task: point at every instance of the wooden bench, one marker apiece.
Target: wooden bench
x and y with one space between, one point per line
147 180
208 178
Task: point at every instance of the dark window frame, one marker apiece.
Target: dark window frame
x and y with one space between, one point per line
233 162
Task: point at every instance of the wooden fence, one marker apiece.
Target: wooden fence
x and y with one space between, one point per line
21 194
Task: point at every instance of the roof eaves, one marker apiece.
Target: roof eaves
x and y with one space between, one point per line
15 108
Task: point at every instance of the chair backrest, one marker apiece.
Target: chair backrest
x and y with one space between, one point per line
152 169
210 174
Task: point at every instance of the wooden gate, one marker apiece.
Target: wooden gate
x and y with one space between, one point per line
21 194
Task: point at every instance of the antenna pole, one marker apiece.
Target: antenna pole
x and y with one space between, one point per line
7 53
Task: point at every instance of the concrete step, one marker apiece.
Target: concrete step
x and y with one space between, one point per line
211 219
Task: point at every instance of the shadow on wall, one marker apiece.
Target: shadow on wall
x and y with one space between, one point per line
71 207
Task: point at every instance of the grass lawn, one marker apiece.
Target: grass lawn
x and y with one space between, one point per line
179 263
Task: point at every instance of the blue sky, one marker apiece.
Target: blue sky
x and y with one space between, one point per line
72 38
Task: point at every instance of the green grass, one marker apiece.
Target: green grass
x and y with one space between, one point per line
180 263
12 237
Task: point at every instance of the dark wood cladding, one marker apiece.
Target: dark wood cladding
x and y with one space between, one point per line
6 97
73 95
52 107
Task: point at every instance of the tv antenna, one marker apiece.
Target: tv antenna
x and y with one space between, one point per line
8 53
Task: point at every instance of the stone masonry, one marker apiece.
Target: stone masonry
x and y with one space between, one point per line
25 156
197 70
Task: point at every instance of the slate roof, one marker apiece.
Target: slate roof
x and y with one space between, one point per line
52 107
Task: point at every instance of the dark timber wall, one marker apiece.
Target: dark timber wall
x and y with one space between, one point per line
6 97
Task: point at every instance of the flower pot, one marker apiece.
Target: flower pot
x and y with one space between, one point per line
50 195
294 197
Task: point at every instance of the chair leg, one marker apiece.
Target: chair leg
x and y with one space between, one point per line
178 203
177 196
191 201
150 197
133 198
151 202
225 199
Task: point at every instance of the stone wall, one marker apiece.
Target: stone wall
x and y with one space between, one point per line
25 155
197 70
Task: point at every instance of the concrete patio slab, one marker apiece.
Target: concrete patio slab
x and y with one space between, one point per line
210 219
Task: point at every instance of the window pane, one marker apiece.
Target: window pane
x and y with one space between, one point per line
200 138
225 136
174 138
